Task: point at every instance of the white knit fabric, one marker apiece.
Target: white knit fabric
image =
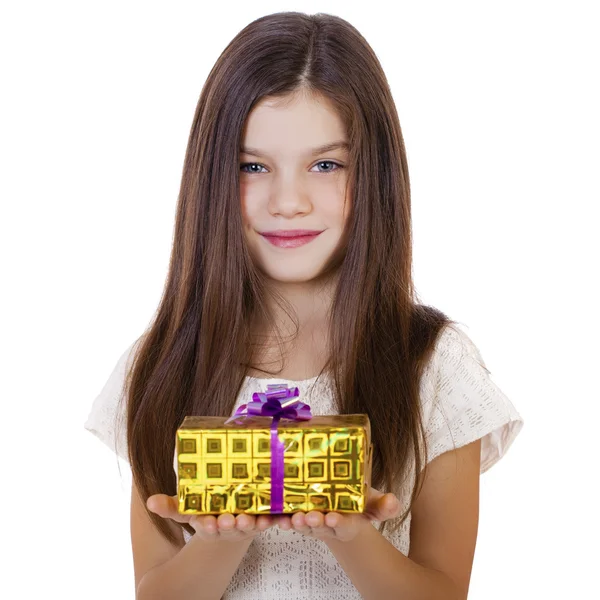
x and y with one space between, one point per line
460 404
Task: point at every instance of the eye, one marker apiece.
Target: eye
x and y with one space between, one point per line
244 167
329 162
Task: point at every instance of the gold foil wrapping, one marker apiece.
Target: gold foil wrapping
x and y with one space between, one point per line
227 468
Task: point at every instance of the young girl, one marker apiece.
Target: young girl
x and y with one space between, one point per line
291 263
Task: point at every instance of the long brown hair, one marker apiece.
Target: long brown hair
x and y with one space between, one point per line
193 357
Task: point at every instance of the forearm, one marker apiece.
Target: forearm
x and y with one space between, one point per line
201 570
379 571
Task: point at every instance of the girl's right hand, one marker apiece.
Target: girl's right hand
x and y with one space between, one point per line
225 526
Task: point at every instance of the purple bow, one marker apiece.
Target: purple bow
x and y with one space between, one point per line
269 404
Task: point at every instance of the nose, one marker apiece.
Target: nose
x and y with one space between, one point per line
288 198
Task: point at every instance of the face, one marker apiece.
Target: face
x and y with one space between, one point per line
287 184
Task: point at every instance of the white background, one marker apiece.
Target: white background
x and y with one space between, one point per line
498 103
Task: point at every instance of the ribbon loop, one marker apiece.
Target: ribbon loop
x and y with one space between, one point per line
279 401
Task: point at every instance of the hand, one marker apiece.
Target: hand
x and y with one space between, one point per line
225 526
342 526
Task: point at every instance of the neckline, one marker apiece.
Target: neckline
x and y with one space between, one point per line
278 379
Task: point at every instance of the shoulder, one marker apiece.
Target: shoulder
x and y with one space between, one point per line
452 345
106 418
462 403
114 388
450 348
455 357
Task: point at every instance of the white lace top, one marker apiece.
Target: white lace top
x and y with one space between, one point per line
460 404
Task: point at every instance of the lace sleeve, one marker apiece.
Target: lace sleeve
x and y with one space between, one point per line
107 417
466 404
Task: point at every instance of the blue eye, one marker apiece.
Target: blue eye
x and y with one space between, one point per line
329 162
244 166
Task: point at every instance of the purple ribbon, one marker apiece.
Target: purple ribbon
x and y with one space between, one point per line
278 402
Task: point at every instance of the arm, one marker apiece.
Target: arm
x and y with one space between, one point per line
201 569
443 536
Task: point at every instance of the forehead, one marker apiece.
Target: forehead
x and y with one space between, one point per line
292 125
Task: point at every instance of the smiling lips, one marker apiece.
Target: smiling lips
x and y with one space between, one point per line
290 238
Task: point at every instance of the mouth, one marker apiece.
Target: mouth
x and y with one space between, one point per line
290 239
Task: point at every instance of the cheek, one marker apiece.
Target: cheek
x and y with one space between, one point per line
345 203
338 213
247 206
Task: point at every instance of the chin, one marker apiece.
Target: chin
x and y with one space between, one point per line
291 277
287 272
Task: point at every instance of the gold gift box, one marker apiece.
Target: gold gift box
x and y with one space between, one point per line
227 468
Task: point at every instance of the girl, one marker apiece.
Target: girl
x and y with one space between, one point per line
291 263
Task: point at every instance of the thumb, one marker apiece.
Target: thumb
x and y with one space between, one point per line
374 495
387 506
163 505
167 507
391 506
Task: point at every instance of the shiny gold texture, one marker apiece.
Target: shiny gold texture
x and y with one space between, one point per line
227 468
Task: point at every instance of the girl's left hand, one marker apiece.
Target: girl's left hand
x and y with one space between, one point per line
342 526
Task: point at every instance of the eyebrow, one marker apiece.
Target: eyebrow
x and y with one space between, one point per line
313 152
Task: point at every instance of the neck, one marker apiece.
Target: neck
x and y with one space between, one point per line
296 343
306 303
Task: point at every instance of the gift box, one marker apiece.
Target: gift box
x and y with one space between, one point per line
273 457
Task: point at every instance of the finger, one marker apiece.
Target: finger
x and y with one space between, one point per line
393 505
166 507
225 522
319 528
390 506
264 522
334 520
374 495
314 519
299 523
204 524
387 507
159 504
343 526
285 523
245 523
